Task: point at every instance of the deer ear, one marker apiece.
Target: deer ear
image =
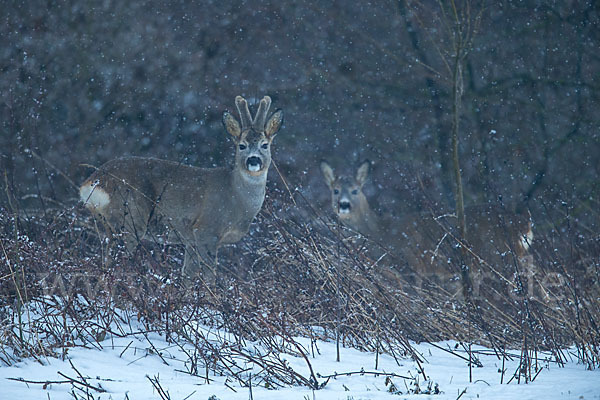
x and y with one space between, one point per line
327 173
274 123
362 174
231 125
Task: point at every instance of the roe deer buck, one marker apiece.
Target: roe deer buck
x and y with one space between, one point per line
197 207
417 237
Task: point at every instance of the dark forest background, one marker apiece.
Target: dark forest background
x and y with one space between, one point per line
82 82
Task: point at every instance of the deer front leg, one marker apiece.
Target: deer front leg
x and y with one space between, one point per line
200 261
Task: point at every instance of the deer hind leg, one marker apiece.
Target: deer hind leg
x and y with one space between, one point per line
105 235
130 217
123 213
122 227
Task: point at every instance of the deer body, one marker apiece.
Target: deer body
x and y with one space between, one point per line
202 208
417 238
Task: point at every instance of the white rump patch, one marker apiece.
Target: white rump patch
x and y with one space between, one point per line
527 238
93 196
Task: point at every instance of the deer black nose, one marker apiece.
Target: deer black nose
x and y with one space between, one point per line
345 205
254 163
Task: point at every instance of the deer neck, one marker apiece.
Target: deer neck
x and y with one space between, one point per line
370 221
365 220
249 190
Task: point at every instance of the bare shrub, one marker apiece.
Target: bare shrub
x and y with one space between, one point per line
292 276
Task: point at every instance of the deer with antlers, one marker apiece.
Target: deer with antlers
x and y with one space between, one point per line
201 208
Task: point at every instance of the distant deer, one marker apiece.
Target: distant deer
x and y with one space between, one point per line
198 207
417 237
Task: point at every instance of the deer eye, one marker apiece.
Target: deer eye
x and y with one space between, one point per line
243 146
355 192
265 145
335 191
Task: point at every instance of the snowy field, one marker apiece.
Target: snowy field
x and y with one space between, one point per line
124 368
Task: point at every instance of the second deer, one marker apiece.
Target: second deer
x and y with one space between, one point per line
198 207
416 238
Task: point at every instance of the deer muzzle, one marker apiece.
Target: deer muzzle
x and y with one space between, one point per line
254 164
344 206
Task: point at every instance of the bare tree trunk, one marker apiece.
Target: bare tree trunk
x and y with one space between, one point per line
456 100
457 90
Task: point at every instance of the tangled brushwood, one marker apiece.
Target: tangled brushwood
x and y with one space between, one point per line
63 283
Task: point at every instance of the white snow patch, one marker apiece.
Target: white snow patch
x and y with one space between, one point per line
121 368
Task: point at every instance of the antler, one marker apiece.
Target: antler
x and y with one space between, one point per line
245 117
261 114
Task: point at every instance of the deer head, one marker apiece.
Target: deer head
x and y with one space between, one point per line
253 137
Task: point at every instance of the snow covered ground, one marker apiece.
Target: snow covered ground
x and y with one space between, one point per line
123 365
